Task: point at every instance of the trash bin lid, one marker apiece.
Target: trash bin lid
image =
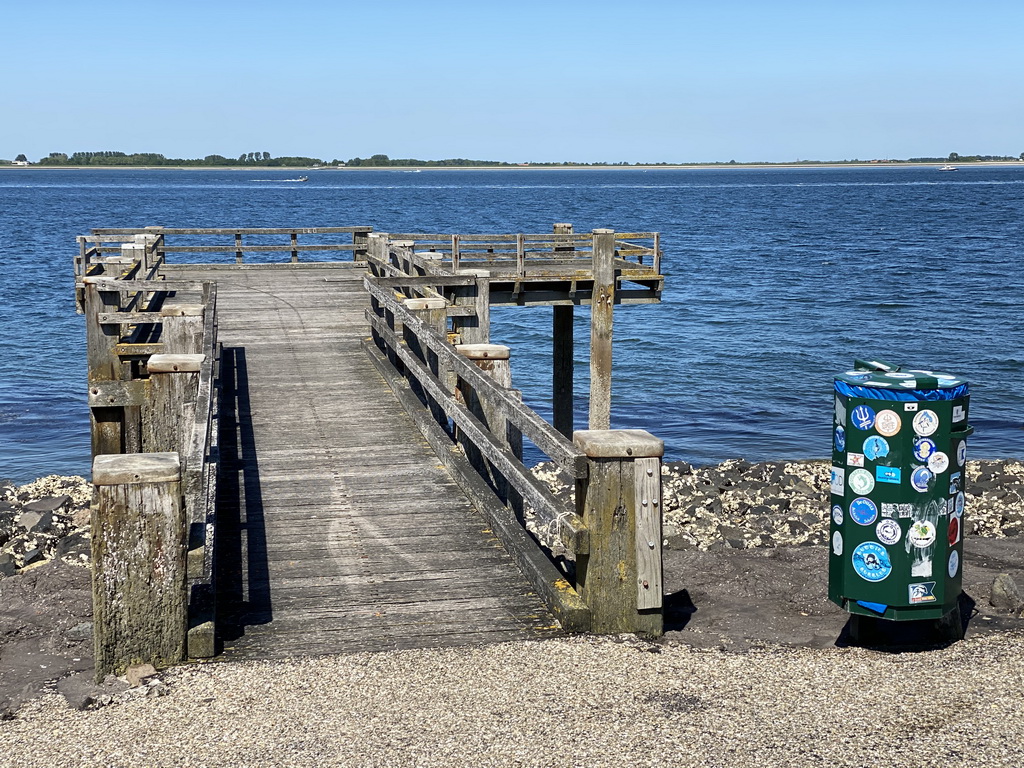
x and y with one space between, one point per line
881 381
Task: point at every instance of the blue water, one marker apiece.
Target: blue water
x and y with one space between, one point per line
776 280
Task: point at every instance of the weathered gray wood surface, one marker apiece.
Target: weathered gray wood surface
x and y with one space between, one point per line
340 529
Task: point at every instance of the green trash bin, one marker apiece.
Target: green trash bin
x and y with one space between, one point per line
899 458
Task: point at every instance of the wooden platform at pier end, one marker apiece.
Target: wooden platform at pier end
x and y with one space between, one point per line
339 529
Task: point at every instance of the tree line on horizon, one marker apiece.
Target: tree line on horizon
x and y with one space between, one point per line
264 159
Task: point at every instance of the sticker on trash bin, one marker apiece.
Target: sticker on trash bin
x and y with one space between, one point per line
921 593
958 413
923 448
910 407
840 439
888 531
926 422
938 463
888 474
861 481
961 453
838 478
955 483
888 423
837 514
863 417
876 447
921 534
871 561
863 511
855 459
959 504
953 531
954 563
920 478
837 543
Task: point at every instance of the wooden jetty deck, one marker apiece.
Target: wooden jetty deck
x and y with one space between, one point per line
307 458
347 533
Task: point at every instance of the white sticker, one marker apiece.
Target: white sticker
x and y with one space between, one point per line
961 453
837 515
861 482
837 543
888 423
855 459
838 481
938 463
958 413
954 563
926 423
888 531
921 534
910 407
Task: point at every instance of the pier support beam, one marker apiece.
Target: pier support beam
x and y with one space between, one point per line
562 351
601 312
620 579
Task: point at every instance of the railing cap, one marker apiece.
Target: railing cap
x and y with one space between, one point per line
414 304
619 443
132 468
484 351
171 363
183 310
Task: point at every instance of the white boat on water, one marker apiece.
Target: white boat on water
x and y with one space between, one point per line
949 168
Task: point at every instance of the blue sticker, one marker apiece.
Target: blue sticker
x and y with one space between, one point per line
876 447
871 561
955 483
923 448
922 593
888 474
840 439
863 417
863 511
920 478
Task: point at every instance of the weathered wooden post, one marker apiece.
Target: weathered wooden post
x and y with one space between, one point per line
620 579
601 313
433 313
360 245
562 351
239 254
475 329
171 407
494 361
104 364
182 331
138 560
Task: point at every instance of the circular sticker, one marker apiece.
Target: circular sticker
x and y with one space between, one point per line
888 531
863 511
871 561
954 563
923 448
837 515
840 439
888 423
861 481
953 532
926 422
863 417
876 447
920 478
837 543
938 463
961 453
959 504
921 533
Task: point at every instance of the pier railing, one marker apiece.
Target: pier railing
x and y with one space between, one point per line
213 245
153 378
461 397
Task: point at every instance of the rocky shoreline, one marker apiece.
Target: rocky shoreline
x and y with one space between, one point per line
43 520
742 505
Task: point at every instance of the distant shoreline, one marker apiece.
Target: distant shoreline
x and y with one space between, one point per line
363 168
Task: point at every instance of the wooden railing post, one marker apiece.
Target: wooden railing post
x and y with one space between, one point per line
138 561
182 331
562 351
171 407
620 579
434 313
601 313
475 329
360 245
108 423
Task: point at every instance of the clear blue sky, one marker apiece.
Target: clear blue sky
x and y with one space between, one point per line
689 80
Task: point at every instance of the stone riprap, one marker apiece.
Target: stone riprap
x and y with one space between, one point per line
743 505
45 519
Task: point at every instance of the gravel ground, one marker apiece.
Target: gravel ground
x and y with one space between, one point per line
569 702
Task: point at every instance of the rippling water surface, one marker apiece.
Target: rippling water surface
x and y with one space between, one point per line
776 280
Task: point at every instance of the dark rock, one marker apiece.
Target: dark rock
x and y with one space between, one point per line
75 549
8 527
1005 593
733 536
36 522
81 631
7 565
796 527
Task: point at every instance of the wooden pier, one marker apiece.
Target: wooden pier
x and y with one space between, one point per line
332 450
